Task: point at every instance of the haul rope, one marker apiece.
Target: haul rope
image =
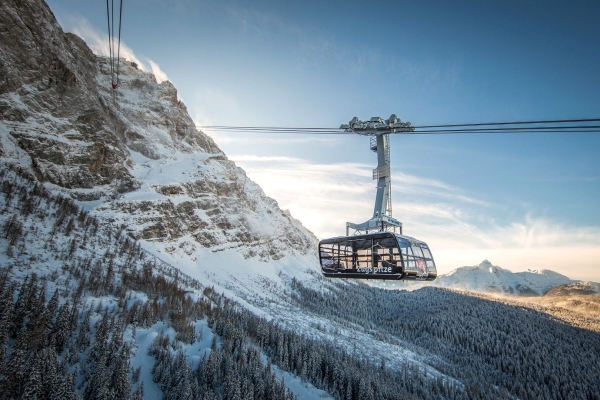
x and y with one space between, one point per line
114 71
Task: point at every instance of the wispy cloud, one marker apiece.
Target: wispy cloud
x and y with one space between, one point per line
98 43
251 158
305 187
212 101
158 73
424 186
225 138
460 228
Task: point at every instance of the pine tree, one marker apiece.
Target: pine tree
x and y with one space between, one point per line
83 339
364 390
50 369
98 387
121 383
5 322
38 328
34 388
53 305
60 385
20 309
100 342
139 392
15 368
62 330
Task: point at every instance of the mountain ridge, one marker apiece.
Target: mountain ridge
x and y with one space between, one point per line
487 278
582 288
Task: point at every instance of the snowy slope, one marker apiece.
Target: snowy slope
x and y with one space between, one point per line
543 280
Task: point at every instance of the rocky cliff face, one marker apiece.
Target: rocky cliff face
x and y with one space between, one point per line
54 124
133 156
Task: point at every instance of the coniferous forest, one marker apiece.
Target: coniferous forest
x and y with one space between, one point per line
77 296
482 343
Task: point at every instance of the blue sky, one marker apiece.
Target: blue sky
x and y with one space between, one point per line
521 201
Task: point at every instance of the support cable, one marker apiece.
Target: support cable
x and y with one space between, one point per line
545 126
110 50
556 121
119 45
112 27
114 70
559 121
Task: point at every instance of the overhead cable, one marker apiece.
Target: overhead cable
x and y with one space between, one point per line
480 128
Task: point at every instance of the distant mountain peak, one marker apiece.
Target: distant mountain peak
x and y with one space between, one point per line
489 278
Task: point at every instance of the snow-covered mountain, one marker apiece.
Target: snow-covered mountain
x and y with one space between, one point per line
132 156
488 278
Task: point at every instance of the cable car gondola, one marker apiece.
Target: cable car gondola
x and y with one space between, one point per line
385 253
379 255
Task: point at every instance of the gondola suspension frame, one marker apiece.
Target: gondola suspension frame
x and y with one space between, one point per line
377 249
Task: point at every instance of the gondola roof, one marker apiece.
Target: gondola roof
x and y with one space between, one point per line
373 235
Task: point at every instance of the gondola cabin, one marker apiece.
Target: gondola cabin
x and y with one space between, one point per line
380 255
